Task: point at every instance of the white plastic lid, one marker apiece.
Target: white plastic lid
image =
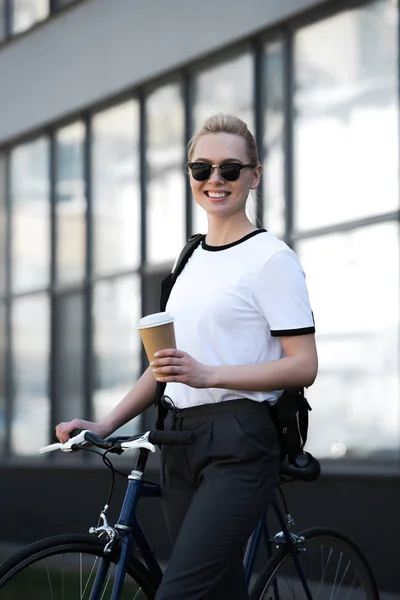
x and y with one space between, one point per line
161 318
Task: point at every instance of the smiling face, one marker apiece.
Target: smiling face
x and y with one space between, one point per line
217 196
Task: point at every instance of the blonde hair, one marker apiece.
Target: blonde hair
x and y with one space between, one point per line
222 123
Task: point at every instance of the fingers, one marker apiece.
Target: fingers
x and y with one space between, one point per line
170 370
63 430
170 352
163 362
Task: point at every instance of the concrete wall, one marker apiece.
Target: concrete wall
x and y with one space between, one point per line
100 48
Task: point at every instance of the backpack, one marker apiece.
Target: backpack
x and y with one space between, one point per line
289 414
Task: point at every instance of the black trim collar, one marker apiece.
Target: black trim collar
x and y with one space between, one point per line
205 246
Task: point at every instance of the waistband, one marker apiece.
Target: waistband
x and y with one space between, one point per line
217 408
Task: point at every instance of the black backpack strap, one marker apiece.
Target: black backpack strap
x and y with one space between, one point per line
186 252
303 410
166 287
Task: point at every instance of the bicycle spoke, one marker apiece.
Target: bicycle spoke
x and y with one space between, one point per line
324 568
108 581
48 578
336 576
90 575
343 578
136 595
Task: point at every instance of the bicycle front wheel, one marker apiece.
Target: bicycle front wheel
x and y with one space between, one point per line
65 567
333 567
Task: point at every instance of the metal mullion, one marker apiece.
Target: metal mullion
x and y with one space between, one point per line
9 388
398 128
7 19
188 97
53 299
88 285
259 105
288 62
143 172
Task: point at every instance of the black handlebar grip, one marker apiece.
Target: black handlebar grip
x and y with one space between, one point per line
74 432
176 438
97 441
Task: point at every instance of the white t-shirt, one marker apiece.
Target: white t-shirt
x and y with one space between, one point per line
231 304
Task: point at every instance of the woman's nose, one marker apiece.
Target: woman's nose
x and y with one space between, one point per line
215 175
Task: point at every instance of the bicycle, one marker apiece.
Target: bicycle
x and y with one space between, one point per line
315 564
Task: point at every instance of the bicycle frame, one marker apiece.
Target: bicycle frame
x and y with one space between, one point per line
130 532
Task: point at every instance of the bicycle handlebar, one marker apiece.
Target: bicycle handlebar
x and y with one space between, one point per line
146 440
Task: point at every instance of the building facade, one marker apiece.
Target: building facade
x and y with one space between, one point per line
98 101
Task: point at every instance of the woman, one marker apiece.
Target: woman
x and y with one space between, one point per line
244 331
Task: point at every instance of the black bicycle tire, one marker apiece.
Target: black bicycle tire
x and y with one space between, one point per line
74 543
277 560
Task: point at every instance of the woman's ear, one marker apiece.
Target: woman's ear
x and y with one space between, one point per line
256 177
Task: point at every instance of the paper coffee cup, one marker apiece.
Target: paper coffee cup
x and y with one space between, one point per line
157 333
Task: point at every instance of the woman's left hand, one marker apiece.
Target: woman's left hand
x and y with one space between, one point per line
177 366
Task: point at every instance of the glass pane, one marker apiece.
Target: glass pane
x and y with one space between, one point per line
346 127
166 186
353 280
26 13
3 344
228 88
70 203
117 346
69 357
30 207
274 134
116 188
30 348
3 225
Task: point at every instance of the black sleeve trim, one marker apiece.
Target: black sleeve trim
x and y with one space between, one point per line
289 332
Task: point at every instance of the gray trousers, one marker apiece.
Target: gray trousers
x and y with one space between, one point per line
214 493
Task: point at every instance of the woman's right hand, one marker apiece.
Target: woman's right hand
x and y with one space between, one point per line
63 430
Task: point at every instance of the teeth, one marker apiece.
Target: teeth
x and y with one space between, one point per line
217 194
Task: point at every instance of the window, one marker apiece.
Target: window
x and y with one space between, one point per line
166 174
3 226
25 13
346 128
116 189
30 349
273 176
70 206
30 215
69 357
354 286
228 88
117 346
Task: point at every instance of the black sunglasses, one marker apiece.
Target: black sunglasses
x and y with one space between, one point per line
201 171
